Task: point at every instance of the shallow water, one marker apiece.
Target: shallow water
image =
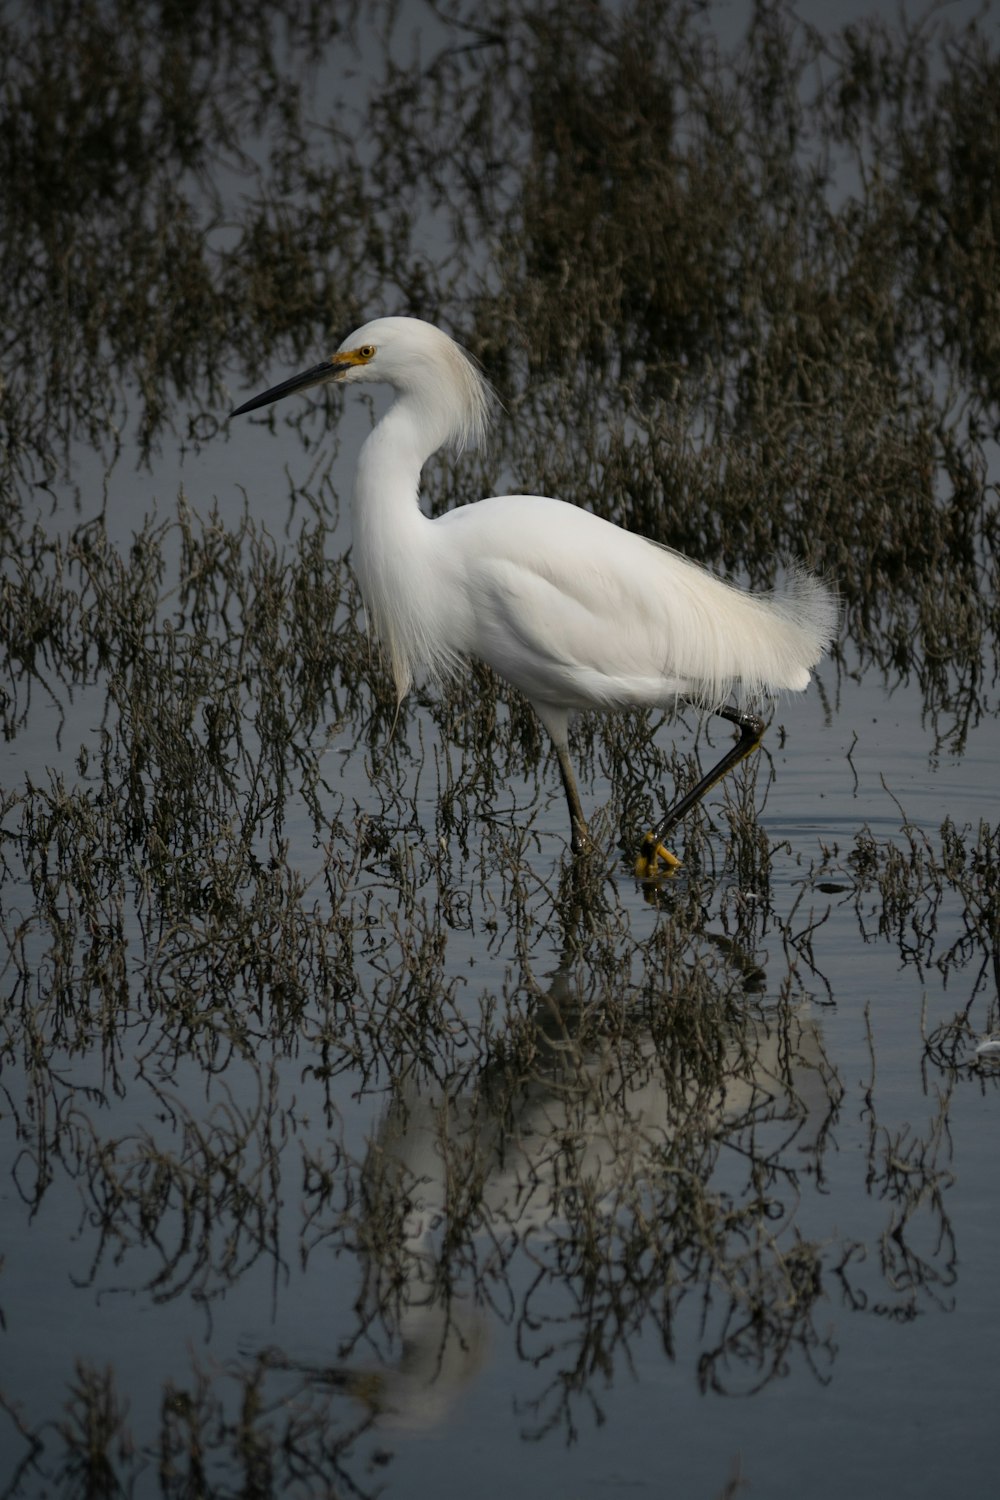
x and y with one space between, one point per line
348 1145
561 1375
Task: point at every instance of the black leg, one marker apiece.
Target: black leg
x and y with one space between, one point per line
651 851
579 835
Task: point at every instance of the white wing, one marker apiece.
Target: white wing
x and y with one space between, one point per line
577 612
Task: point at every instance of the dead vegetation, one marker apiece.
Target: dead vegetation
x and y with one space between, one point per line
744 302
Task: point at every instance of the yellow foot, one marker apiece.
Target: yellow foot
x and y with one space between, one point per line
647 861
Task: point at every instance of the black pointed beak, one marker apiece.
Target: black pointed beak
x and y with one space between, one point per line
328 370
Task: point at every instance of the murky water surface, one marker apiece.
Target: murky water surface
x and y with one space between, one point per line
351 1142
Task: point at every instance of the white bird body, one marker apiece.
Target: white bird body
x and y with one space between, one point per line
574 611
611 620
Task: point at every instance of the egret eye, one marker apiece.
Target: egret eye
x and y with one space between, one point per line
367 351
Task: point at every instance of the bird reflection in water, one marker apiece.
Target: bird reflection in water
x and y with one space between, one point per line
588 1181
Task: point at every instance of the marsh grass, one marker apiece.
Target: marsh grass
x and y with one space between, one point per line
263 1019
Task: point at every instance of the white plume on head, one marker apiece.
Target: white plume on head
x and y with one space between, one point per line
416 358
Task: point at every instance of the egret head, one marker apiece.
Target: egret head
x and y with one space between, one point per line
417 360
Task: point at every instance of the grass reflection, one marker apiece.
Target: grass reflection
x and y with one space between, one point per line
297 992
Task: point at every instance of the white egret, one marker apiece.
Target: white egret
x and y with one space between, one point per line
572 610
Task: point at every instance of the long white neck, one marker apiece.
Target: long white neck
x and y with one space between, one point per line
393 539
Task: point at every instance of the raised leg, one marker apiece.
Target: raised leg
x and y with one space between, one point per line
652 850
